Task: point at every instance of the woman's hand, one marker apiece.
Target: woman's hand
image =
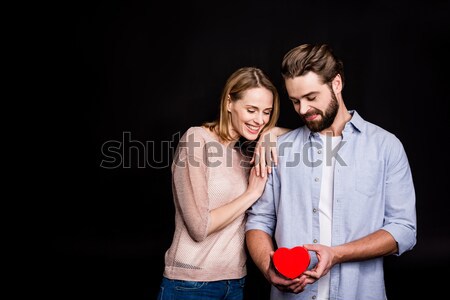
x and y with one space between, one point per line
256 184
265 153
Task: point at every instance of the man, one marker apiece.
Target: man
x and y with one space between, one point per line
342 188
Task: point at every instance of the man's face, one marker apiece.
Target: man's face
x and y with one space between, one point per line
313 100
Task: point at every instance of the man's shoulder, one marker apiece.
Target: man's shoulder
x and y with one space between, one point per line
293 135
377 132
369 129
378 137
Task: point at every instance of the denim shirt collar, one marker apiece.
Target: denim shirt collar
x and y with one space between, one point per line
356 123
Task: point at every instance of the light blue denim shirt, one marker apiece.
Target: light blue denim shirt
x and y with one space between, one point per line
373 189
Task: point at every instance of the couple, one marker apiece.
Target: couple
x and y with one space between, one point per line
340 186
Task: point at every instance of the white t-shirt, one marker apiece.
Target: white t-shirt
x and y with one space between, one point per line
326 205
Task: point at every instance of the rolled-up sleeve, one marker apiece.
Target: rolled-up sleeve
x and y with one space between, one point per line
400 215
262 215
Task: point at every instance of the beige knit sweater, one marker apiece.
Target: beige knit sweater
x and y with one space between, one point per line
206 175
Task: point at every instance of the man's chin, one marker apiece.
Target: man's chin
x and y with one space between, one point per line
313 126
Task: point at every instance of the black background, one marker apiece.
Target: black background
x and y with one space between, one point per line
153 69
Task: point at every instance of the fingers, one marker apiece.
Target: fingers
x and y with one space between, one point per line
262 164
255 161
271 155
311 247
310 280
286 285
296 285
259 161
265 153
314 273
257 169
292 286
317 272
299 288
274 155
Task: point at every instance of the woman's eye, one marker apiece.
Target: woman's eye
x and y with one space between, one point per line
267 112
250 111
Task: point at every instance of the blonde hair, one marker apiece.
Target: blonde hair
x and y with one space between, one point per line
240 81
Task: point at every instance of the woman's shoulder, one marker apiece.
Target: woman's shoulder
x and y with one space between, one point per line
201 132
197 134
193 130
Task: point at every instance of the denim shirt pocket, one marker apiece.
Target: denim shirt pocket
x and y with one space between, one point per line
368 177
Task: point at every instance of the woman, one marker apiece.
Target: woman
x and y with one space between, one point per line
213 186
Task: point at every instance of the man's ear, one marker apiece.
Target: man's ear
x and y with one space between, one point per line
337 84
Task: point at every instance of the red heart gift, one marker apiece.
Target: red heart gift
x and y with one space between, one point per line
291 262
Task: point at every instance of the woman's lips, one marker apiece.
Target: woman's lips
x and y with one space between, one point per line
253 129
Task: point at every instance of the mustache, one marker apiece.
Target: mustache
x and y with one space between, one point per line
314 112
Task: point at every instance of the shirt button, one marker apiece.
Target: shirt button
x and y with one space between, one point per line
315 241
314 297
319 151
314 210
316 179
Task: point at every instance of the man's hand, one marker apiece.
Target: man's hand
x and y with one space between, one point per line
296 285
326 260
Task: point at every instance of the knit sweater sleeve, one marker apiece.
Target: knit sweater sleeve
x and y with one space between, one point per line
189 184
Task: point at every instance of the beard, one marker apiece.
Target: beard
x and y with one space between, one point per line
327 116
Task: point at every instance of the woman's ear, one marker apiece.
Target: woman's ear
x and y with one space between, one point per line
229 103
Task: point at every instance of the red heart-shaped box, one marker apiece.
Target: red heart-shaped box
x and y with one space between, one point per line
291 262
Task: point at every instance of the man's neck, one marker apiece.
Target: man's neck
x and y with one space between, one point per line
342 117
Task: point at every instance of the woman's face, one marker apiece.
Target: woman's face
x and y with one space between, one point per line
250 114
